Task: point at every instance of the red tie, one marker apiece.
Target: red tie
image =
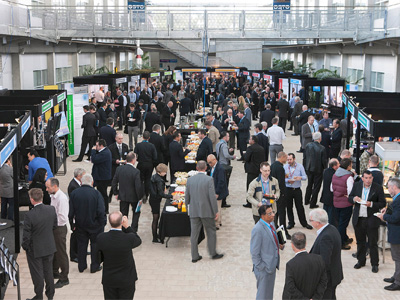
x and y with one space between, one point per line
275 238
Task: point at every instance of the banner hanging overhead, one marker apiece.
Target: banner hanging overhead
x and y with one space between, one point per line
136 5
281 5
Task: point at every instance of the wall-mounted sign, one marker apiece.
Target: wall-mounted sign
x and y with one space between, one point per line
61 97
47 105
8 150
256 75
351 107
25 126
226 70
136 5
267 77
194 70
344 98
167 73
295 81
246 73
363 119
121 80
154 75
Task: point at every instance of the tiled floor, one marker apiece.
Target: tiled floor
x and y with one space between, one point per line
168 273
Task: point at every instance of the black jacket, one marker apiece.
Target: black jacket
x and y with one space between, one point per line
102 117
376 196
267 116
244 127
127 184
166 114
42 186
157 188
89 124
217 125
177 156
326 141
327 195
316 160
283 107
303 118
152 119
254 156
159 143
73 185
39 223
329 245
108 134
86 209
220 184
115 155
205 149
146 154
115 247
133 115
185 106
336 138
278 172
305 277
264 142
102 162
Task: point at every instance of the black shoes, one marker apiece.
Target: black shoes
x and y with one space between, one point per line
308 226
247 205
349 241
240 159
218 256
156 241
59 284
375 269
97 270
392 287
196 260
346 247
289 227
314 206
389 280
75 260
56 275
225 205
77 160
358 265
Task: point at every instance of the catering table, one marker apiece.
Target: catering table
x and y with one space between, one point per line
186 132
190 166
174 224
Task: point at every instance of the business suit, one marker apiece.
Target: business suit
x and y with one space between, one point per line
263 141
87 218
102 117
202 207
158 142
254 156
152 118
283 113
128 186
247 114
166 117
295 113
217 124
213 135
205 148
221 187
117 155
315 164
88 135
177 157
265 256
38 242
147 159
336 140
305 277
327 196
267 116
306 135
303 118
368 225
101 172
108 134
328 244
278 172
185 106
73 242
119 269
243 134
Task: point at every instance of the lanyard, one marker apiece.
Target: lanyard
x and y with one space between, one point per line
365 192
267 189
292 173
241 120
212 171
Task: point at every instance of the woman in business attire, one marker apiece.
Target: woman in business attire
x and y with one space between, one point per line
167 140
157 192
39 181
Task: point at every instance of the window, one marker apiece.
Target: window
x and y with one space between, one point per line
131 64
337 69
63 75
83 69
39 78
355 76
377 81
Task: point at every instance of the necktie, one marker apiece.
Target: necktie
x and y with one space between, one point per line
120 150
275 237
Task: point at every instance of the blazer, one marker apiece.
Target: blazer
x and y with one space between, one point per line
177 156
217 125
39 224
247 114
88 125
305 277
73 185
102 117
185 106
327 195
306 135
86 209
254 156
158 142
263 141
205 148
115 250
329 245
376 196
213 135
108 134
200 196
166 114
102 162
336 138
146 154
267 116
220 184
283 107
278 172
263 249
393 221
116 156
127 184
243 131
297 109
316 160
303 117
152 119
6 181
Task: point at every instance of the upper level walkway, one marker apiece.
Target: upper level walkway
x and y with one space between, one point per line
156 23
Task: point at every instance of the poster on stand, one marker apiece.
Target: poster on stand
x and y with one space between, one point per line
284 85
75 115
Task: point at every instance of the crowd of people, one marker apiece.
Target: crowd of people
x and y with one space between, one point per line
250 119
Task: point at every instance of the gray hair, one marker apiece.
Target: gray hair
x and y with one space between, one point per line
319 215
297 98
87 179
316 136
394 181
263 123
79 172
201 165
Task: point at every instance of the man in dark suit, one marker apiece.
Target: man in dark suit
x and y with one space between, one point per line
102 168
167 114
302 119
205 147
336 139
328 244
152 118
157 140
255 155
147 158
305 273
87 219
368 198
38 242
243 127
255 102
127 186
272 101
185 105
89 133
283 114
262 139
295 114
327 195
102 114
108 132
376 172
177 155
115 249
214 122
119 150
267 115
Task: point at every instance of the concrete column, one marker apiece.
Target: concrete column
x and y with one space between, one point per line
51 68
75 64
295 60
344 64
93 60
107 61
16 72
327 61
397 60
126 60
367 71
118 61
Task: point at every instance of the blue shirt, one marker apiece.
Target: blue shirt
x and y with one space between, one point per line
291 172
325 122
292 102
132 97
37 163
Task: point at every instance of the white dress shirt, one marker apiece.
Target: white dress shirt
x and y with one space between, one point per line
276 135
363 207
322 228
60 202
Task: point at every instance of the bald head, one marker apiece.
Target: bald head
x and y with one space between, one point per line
211 160
345 154
115 219
305 107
